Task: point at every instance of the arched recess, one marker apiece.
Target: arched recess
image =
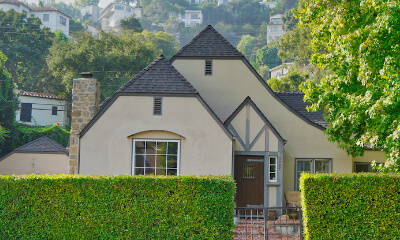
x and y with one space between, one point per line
157 134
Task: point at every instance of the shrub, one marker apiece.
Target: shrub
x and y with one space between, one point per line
351 206
116 207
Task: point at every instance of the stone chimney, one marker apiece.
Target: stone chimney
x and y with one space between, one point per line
85 104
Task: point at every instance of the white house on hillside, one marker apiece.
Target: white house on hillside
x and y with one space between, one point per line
114 12
275 27
50 17
192 18
281 70
41 109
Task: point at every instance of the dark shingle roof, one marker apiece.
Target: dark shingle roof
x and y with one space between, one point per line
295 101
159 77
43 144
208 43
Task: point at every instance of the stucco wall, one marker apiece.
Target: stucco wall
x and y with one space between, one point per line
231 82
39 163
41 111
107 147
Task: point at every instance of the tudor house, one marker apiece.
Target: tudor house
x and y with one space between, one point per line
206 111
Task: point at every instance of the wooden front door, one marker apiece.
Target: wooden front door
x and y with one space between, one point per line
249 177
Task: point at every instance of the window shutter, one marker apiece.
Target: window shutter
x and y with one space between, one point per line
157 106
208 70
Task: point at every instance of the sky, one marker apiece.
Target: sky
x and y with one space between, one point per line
103 3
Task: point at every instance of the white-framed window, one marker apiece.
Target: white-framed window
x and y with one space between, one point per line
311 165
119 7
273 29
63 20
276 21
273 169
46 17
158 157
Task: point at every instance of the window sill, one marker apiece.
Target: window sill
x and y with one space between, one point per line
273 184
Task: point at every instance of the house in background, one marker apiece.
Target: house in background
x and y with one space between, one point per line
115 12
205 112
275 28
42 109
192 17
40 156
281 70
50 17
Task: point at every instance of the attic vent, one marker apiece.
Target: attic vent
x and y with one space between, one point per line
157 106
208 67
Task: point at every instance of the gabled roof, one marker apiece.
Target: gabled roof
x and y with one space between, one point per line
159 77
208 43
258 111
295 101
43 144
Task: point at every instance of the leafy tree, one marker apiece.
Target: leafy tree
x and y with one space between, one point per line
68 9
84 3
246 45
8 105
131 23
173 25
112 59
268 56
26 46
289 83
75 26
359 41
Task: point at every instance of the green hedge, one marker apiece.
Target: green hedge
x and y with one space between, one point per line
351 206
116 207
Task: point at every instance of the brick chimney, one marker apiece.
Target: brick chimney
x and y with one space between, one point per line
85 104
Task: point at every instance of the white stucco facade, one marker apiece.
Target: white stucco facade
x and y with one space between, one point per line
50 17
42 111
114 12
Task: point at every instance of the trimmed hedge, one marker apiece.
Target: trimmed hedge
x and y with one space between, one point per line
116 207
351 206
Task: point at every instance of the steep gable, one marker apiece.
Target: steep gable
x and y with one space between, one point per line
159 77
208 43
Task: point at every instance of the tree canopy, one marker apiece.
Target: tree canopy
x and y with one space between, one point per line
131 23
288 83
26 45
359 41
8 105
113 59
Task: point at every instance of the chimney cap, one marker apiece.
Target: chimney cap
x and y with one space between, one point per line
86 74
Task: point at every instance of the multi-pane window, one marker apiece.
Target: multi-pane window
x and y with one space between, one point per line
26 112
54 110
312 166
208 68
273 29
158 157
118 7
63 20
276 21
273 169
128 9
46 17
